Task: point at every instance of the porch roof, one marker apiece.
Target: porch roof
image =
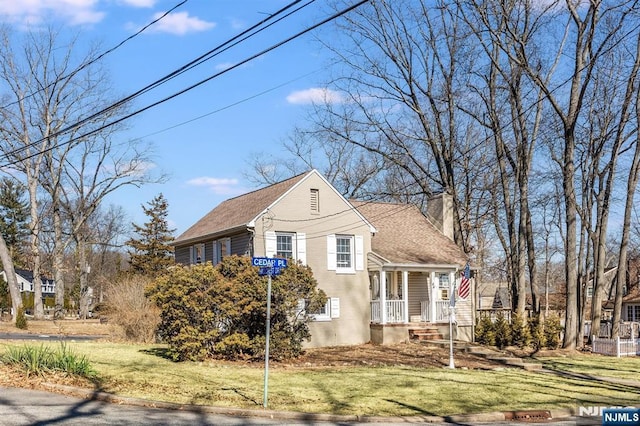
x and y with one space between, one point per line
406 237
633 296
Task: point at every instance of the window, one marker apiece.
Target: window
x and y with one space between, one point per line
197 253
331 309
443 281
345 253
285 245
221 248
344 250
633 313
315 200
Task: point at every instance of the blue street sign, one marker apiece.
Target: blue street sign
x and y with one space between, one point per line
268 265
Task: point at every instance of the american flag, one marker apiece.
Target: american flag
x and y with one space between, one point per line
465 287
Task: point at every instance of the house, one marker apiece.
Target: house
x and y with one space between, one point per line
631 306
25 282
381 265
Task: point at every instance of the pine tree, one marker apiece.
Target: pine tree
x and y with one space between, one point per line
14 213
151 253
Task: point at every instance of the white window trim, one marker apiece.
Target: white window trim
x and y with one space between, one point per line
326 316
194 251
328 312
351 269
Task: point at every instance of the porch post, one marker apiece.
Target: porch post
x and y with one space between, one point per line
405 295
432 296
383 297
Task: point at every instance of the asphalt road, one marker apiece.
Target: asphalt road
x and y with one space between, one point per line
30 407
47 337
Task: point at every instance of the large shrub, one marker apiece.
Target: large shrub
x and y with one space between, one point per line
536 328
552 329
135 316
520 333
220 310
485 333
502 331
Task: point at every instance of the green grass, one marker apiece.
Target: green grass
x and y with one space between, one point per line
142 371
43 359
597 366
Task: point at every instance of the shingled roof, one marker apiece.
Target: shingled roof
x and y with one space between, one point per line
406 236
239 211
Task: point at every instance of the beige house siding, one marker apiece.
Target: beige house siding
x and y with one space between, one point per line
418 292
293 213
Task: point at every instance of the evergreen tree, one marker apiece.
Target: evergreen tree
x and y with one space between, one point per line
151 253
14 212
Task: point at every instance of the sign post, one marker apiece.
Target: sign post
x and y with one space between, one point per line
270 267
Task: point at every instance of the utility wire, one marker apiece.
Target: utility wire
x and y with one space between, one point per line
201 59
187 89
100 56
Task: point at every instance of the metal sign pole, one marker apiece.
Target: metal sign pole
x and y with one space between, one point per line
266 351
452 313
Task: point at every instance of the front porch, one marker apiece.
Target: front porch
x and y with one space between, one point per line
409 303
397 312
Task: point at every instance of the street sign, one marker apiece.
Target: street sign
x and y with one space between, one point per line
269 266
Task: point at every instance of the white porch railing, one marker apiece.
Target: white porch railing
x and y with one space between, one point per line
425 311
376 315
395 311
442 310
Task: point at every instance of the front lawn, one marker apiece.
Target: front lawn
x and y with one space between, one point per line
347 388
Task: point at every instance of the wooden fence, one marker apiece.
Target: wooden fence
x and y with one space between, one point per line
615 347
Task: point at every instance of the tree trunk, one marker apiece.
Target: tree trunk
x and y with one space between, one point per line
12 282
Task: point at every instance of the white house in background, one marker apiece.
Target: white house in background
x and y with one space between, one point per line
386 269
25 282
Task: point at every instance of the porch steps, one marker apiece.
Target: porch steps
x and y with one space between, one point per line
424 333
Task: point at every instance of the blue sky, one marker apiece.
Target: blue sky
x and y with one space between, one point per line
204 159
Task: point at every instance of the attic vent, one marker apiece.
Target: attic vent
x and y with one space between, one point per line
315 200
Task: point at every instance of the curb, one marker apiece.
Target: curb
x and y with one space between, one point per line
491 417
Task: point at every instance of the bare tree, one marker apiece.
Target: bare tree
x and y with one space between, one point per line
59 136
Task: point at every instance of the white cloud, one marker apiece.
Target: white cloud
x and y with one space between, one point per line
34 12
315 95
179 23
223 186
138 3
237 24
224 65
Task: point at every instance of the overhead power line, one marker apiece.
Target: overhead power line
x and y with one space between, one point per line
100 56
250 32
185 90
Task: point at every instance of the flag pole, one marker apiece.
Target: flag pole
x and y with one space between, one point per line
452 307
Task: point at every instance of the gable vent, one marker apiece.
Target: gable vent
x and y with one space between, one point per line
315 200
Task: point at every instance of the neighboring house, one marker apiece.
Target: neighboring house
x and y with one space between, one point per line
379 264
631 306
25 282
492 298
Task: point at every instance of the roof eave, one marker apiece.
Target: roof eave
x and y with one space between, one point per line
212 235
